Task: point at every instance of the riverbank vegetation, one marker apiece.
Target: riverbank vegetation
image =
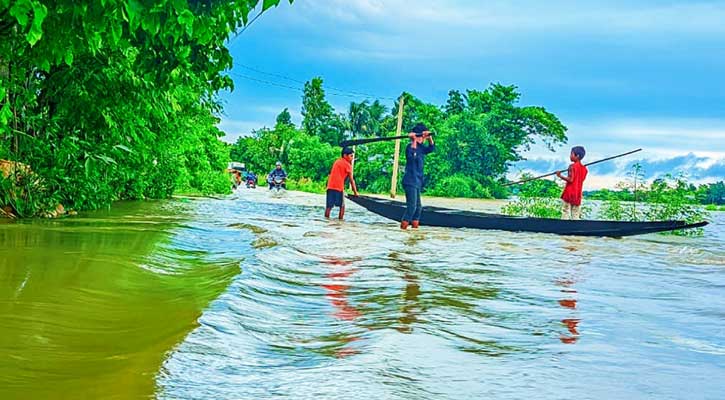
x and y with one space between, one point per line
670 197
117 100
478 134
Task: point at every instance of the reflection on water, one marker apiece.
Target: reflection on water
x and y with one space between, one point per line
91 305
337 288
256 297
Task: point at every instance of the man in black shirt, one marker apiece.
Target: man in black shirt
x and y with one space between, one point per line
413 179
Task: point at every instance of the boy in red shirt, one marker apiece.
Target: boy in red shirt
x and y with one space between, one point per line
572 195
341 169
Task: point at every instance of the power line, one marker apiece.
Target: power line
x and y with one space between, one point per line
266 82
246 26
295 88
330 89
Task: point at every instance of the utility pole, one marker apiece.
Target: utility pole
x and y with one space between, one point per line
394 179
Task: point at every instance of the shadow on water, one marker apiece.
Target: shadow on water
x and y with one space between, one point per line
91 305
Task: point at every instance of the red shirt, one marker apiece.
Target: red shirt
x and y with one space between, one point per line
573 191
340 170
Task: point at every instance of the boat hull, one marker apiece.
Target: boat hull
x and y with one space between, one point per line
451 218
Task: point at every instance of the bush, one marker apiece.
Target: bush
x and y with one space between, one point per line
540 207
306 185
459 185
667 198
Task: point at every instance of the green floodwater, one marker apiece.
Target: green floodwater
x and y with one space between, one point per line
90 306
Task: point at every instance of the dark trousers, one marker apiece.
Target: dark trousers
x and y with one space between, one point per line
414 207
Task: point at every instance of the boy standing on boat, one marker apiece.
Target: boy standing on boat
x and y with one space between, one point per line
413 179
572 195
341 169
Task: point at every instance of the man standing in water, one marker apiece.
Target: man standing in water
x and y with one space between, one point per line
341 169
415 154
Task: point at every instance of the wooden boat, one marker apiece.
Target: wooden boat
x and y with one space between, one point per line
451 218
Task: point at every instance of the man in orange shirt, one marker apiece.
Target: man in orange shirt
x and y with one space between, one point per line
341 169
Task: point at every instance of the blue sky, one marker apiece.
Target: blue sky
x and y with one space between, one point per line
620 74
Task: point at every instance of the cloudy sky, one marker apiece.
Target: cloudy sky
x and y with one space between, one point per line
620 74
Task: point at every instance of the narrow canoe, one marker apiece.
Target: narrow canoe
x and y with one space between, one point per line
451 218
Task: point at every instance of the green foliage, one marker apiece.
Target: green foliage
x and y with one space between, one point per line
459 185
284 118
483 132
456 103
307 185
302 155
540 207
477 136
117 100
616 210
318 116
366 119
537 188
667 198
23 192
538 198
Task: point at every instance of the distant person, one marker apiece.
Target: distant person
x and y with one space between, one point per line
413 179
341 169
572 195
277 172
235 178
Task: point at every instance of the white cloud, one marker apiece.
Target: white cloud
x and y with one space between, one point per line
658 137
233 129
694 146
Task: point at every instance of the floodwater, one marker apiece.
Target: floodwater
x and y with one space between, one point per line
250 297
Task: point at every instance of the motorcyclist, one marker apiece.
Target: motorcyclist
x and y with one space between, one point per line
251 179
277 172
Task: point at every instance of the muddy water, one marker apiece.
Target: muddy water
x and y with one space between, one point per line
259 297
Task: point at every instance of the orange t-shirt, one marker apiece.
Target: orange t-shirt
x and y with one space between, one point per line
340 170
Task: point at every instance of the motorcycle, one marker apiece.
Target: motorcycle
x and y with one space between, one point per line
278 187
251 181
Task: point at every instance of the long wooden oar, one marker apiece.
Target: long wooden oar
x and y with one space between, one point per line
591 163
355 142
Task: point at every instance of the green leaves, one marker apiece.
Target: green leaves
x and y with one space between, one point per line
36 30
69 57
266 4
134 13
21 10
117 98
186 19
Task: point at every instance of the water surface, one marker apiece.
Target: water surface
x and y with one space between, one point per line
257 297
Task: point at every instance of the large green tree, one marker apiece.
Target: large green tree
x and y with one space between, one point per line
114 100
319 118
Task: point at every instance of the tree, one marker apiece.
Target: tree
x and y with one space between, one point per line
117 100
316 111
359 117
456 103
284 118
366 119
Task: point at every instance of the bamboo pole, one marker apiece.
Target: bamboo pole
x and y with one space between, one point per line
353 160
586 165
394 179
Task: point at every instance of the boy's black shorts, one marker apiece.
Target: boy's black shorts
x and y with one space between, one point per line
334 198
